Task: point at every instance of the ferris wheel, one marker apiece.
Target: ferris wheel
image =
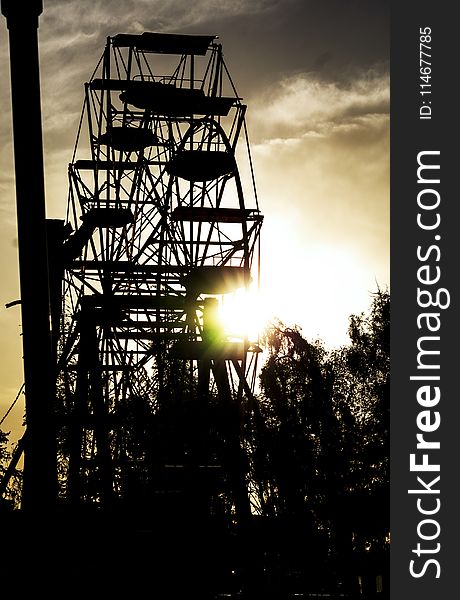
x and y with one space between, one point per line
160 229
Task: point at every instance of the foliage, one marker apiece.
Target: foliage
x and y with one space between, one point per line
316 442
12 496
321 452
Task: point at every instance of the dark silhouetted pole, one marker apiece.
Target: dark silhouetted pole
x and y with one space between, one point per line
40 478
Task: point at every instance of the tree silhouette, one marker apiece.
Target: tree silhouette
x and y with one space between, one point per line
11 497
316 444
320 457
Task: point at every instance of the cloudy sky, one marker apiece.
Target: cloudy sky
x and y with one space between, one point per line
315 76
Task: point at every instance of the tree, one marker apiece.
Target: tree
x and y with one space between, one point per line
320 453
9 476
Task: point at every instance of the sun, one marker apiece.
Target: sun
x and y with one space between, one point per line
244 314
317 289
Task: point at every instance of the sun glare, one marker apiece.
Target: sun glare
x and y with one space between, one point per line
318 291
326 284
243 314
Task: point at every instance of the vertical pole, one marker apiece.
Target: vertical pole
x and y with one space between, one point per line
39 492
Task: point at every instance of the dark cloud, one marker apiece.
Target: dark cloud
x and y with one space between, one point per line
264 40
270 45
322 60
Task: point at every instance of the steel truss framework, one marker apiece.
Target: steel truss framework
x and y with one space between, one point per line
152 395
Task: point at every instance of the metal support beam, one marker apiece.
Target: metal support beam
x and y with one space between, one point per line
40 478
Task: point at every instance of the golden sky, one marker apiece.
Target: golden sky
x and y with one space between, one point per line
315 76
